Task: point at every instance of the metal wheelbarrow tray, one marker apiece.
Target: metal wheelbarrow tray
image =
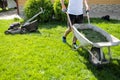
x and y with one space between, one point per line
96 52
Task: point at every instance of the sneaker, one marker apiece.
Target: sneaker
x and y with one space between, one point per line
75 46
64 39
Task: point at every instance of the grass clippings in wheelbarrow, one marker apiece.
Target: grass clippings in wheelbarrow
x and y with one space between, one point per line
92 35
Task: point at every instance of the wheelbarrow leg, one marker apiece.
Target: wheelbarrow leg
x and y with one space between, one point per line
102 57
109 53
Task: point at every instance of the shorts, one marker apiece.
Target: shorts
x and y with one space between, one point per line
75 19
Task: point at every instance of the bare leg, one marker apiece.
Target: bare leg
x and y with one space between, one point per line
74 39
67 32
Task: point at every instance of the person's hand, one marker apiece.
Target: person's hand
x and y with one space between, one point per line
64 10
87 9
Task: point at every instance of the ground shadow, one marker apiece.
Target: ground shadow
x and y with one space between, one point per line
68 44
52 24
109 71
100 20
33 32
55 23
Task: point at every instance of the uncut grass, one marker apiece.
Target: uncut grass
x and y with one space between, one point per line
42 55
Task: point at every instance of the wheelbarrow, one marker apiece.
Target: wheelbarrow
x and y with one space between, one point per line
95 49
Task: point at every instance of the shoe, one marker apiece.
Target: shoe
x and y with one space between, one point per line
75 46
64 39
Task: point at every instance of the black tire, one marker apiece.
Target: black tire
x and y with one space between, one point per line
6 32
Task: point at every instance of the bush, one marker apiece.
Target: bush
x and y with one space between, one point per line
32 7
59 15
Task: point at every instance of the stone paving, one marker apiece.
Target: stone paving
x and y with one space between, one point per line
13 14
111 14
9 14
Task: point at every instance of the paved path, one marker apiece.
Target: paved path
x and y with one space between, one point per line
13 14
9 14
111 14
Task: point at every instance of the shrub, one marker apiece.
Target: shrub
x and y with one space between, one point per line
59 15
32 7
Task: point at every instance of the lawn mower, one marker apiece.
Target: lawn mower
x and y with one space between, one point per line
30 25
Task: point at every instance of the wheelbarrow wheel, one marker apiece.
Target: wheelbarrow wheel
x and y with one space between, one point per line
96 52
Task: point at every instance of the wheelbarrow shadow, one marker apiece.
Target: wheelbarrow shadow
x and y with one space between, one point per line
34 32
109 71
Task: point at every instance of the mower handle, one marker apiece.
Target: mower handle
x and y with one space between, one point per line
41 11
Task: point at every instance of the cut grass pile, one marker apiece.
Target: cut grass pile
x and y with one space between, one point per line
43 55
92 35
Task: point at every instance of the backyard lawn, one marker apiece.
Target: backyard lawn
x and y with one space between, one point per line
43 55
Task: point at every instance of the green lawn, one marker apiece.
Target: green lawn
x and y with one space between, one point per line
43 56
0 9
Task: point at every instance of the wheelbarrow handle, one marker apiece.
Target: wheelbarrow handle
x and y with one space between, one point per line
88 17
69 19
65 11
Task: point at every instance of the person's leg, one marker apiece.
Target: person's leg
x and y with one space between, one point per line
68 30
79 19
74 39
